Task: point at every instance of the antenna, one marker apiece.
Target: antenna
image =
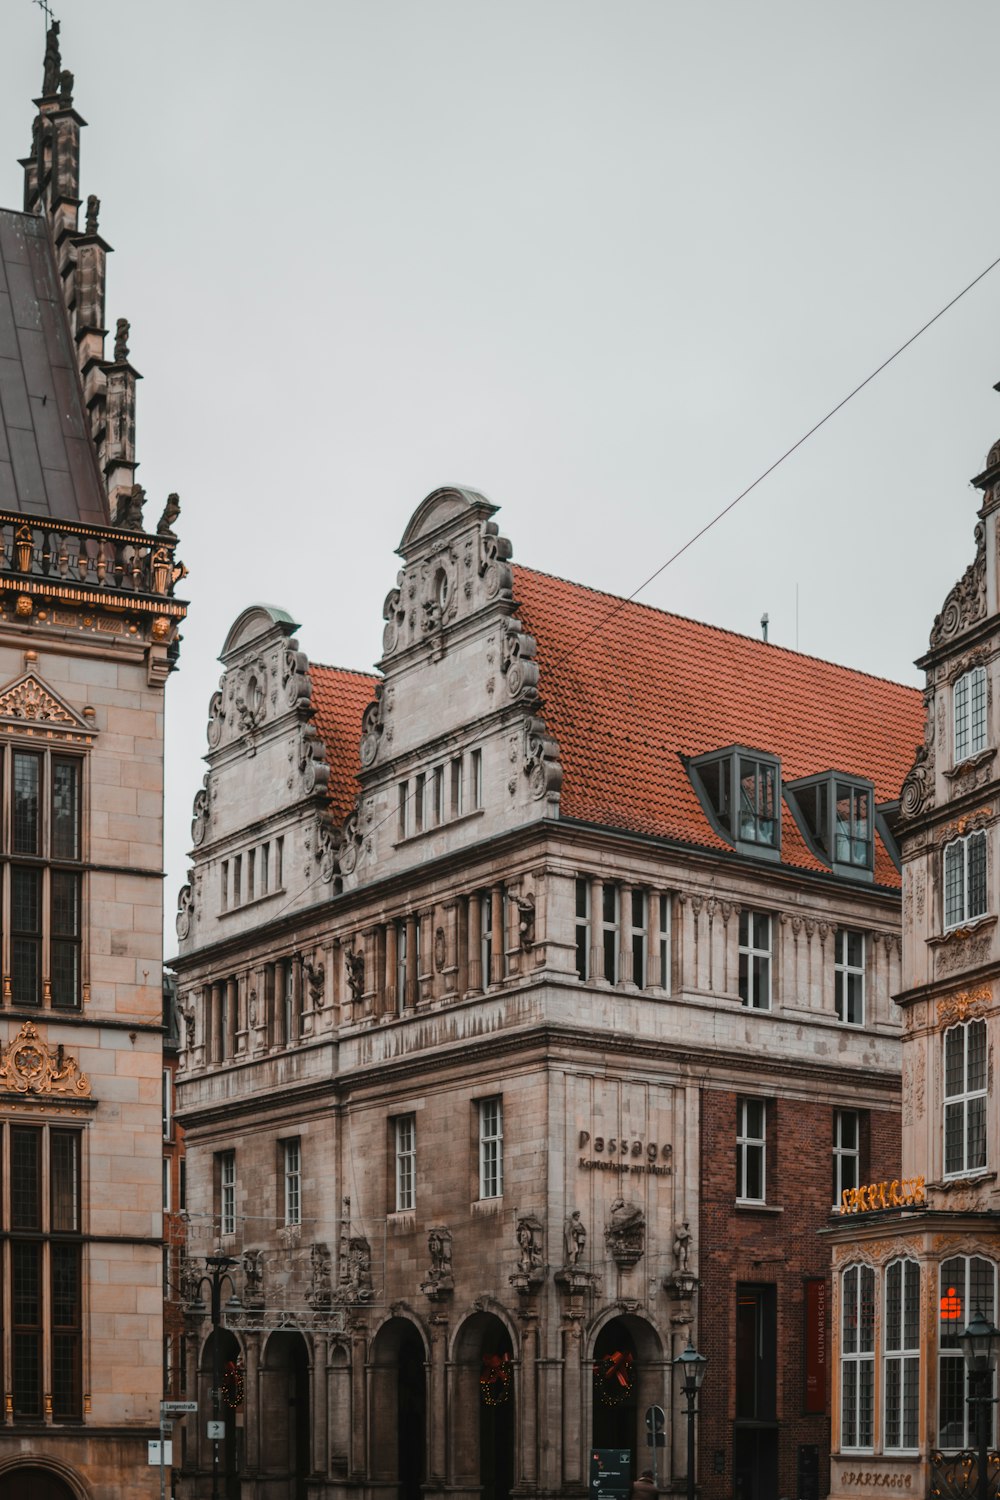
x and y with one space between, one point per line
763 624
43 5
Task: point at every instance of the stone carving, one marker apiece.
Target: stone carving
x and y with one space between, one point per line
440 949
495 552
517 651
626 1233
121 341
253 1278
525 920
354 964
216 715
172 509
918 787
967 601
372 728
394 615
185 911
52 66
574 1239
188 1017
355 1284
30 1066
530 1271
351 844
29 699
191 1275
202 812
249 697
682 1246
541 760
439 1281
309 756
439 590
963 1004
315 981
326 851
964 952
320 1293
296 688
977 817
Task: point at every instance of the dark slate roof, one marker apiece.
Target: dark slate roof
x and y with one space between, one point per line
47 461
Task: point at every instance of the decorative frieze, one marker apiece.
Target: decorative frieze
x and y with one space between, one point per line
28 1065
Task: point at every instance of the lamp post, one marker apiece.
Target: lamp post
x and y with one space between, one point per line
219 1267
692 1365
979 1348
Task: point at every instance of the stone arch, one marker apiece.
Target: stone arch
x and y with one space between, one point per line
625 1369
255 621
40 1479
230 1349
440 507
339 1400
285 1404
483 1403
397 1404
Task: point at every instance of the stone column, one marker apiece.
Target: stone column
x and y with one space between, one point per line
425 974
359 1416
251 1415
412 964
654 976
625 967
572 1399
280 1038
596 933
232 1009
496 935
217 1035
477 978
320 1405
389 999
450 975
529 1400
437 1404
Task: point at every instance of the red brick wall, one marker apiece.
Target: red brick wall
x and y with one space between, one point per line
763 1247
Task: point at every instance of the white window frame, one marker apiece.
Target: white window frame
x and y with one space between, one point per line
405 1140
969 714
491 1147
845 971
639 931
970 1304
749 1145
757 996
843 1153
902 1359
610 927
227 1192
957 861
665 915
166 1104
477 779
582 926
853 1362
959 1102
292 1160
166 1185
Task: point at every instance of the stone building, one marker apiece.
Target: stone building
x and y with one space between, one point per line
915 1258
537 1000
88 637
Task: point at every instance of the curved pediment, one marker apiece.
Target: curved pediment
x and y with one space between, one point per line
255 621
441 508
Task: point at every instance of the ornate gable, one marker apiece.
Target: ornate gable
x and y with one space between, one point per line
31 706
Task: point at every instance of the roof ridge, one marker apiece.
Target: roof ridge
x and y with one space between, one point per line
326 666
715 629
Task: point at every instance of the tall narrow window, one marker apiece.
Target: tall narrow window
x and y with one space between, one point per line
852 828
583 928
404 809
419 788
439 795
967 1286
901 1384
757 814
166 1103
279 863
609 930
406 1160
857 1359
477 778
292 1153
970 714
755 959
486 936
43 878
224 885
965 879
238 880
251 874
491 1148
166 1184
227 1192
846 1153
849 976
665 942
456 787
965 1098
265 860
638 937
750 1150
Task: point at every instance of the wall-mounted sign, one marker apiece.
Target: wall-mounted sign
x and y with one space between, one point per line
907 1193
815 1349
624 1153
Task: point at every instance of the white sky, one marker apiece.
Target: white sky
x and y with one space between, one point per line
602 261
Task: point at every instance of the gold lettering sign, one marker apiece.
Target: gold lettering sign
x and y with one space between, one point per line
871 1196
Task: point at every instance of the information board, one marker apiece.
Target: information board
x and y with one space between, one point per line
610 1473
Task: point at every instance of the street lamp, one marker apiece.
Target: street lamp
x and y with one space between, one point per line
219 1267
692 1365
979 1348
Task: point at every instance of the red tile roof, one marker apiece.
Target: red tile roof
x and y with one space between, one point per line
625 697
340 698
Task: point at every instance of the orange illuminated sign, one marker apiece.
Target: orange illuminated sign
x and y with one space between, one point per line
907 1193
951 1306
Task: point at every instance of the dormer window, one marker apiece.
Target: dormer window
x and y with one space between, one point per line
836 816
969 703
738 789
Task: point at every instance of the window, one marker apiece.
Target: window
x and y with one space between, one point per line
849 977
664 942
755 959
739 790
182 1184
901 1355
486 936
456 787
637 932
166 1184
439 795
419 786
406 1161
279 863
45 1264
835 815
265 856
965 1098
292 1153
969 700
967 1286
750 1142
477 778
238 880
857 1359
227 1192
166 1103
224 884
404 809
609 931
964 879
846 1153
491 1148
251 873
583 928
42 871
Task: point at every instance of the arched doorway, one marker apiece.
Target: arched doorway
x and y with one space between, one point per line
284 1415
627 1378
399 1408
484 1406
227 1453
28 1482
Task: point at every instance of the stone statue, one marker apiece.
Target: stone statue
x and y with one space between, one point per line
316 980
320 1292
574 1238
53 62
190 1281
626 1233
121 341
187 1015
128 512
439 1279
93 210
355 962
682 1246
253 1278
529 1241
171 511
